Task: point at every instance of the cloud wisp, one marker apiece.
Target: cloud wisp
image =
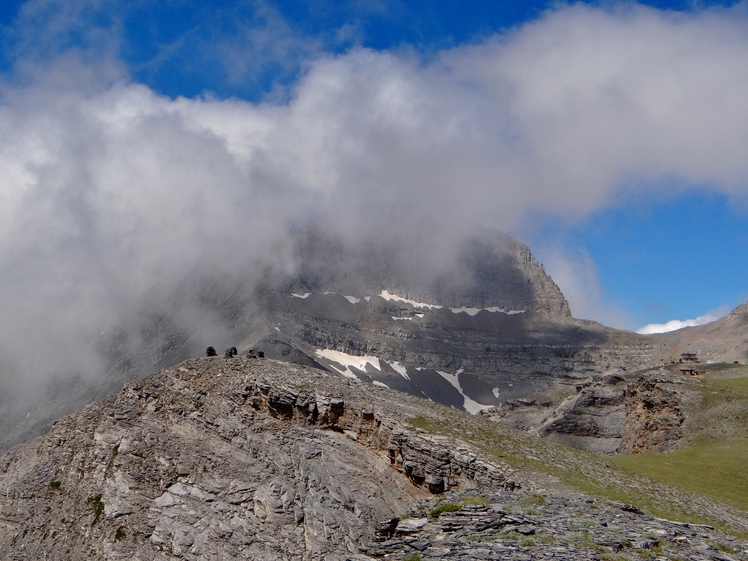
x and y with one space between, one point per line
112 195
675 324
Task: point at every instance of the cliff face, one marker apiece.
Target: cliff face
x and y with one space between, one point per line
627 414
488 269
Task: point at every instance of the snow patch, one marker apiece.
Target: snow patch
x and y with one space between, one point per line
396 319
352 299
400 369
389 296
470 405
347 361
380 384
468 311
343 362
492 309
495 392
473 407
302 296
367 298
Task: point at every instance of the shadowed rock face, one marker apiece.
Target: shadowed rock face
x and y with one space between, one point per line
489 269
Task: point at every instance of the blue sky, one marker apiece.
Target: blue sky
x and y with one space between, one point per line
608 136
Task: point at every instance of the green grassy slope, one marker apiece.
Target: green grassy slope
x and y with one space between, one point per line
714 463
704 482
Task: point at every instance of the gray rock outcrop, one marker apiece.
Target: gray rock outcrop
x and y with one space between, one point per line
204 461
242 458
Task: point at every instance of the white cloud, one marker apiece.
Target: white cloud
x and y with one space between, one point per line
112 194
576 275
675 324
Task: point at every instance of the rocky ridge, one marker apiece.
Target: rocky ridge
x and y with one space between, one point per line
251 458
203 461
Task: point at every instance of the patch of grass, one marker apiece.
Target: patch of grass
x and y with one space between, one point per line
715 468
441 509
723 548
451 507
594 475
536 500
735 384
527 542
120 534
413 557
474 501
98 508
546 539
54 485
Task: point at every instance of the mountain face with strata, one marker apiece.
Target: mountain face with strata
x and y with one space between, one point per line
354 298
482 328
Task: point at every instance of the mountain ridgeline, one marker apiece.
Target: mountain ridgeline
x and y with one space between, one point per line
487 270
472 325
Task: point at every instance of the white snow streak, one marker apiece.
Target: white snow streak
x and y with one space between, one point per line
492 309
400 369
470 406
348 361
389 296
302 296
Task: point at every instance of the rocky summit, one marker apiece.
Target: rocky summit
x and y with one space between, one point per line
249 458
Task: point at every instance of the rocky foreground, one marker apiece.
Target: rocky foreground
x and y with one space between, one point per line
244 458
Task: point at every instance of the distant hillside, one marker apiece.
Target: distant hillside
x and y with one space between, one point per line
725 339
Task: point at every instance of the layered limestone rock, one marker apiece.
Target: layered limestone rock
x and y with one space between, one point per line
225 459
629 414
654 415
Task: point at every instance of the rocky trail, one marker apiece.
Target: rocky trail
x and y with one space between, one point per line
542 525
